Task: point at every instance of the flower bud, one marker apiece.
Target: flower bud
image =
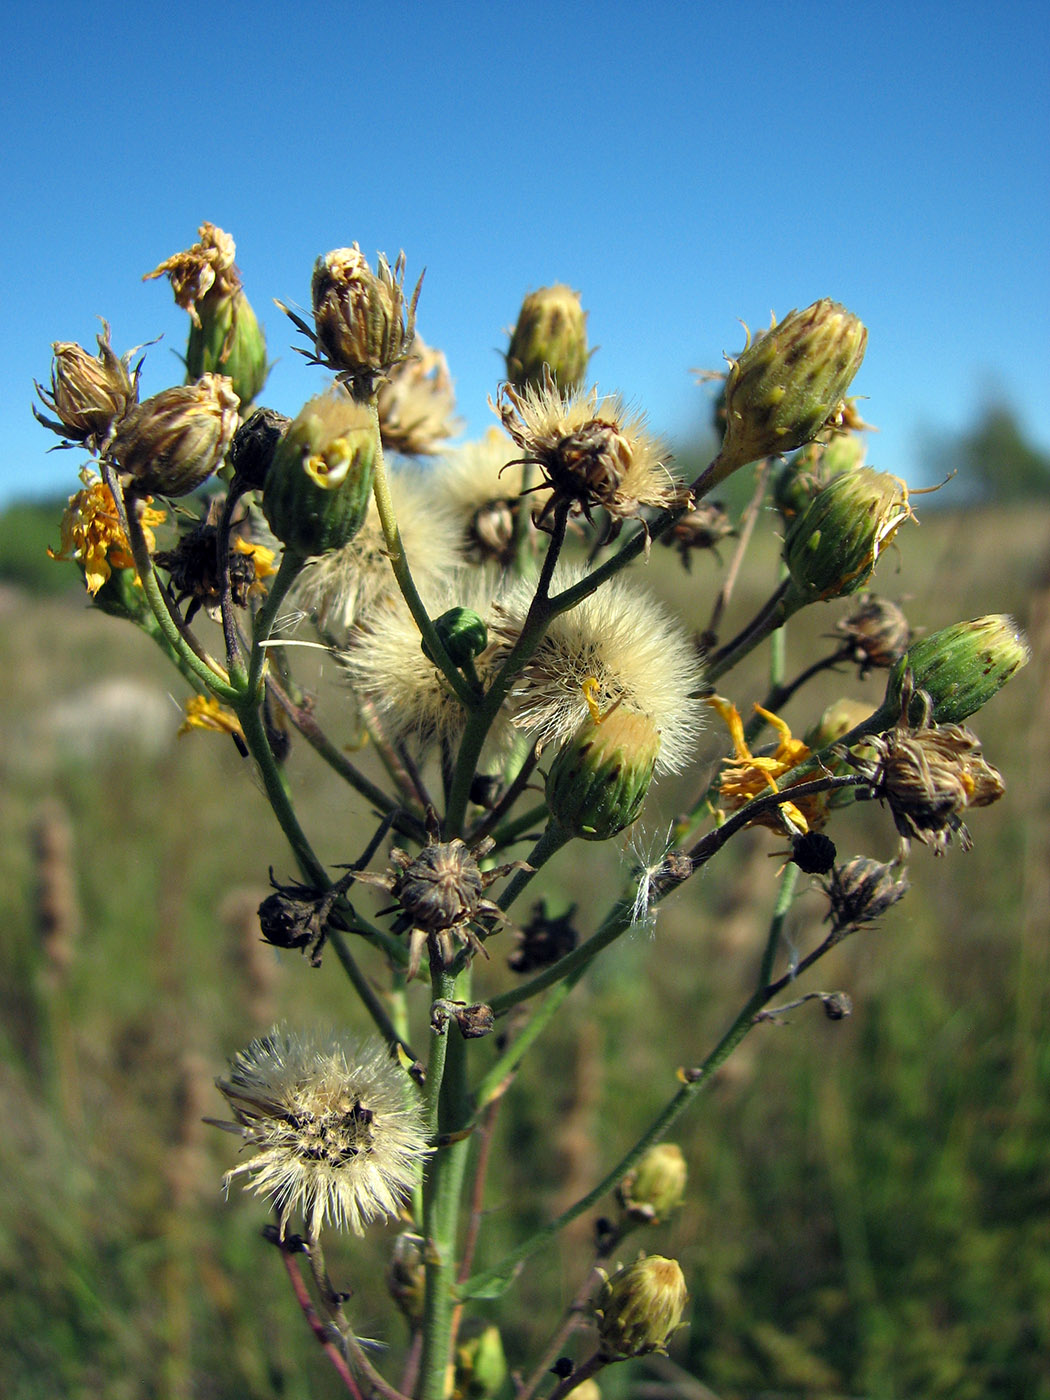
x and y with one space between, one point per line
463 634
961 667
642 1305
788 382
551 331
174 441
318 486
228 340
89 394
860 891
653 1189
833 548
805 474
598 781
837 720
362 323
481 1366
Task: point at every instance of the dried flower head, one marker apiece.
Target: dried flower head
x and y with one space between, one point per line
194 272
362 323
205 712
341 586
591 453
746 776
417 403
92 535
389 671
193 565
876 632
173 442
860 891
482 482
702 528
544 939
624 647
89 394
333 1132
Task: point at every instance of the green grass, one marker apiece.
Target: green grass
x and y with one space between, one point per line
869 1203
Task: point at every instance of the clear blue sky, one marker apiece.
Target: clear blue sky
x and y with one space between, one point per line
681 165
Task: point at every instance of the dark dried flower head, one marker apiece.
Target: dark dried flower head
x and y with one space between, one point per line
544 939
254 444
89 394
193 565
813 852
207 266
702 528
861 890
876 631
333 1132
837 1005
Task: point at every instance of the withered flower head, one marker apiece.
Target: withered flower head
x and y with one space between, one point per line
591 453
440 893
193 565
363 324
173 442
89 394
703 527
551 335
746 776
417 403
860 891
929 775
876 632
194 272
481 482
544 939
333 1133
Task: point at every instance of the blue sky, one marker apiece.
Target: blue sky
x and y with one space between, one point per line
681 167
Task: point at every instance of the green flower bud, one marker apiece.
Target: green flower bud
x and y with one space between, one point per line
173 442
960 667
319 483
788 382
833 548
463 634
642 1305
653 1189
551 331
597 783
481 1366
837 720
228 340
89 394
806 474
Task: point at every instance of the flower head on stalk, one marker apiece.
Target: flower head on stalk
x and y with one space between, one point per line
481 484
340 587
196 272
174 441
746 776
617 648
193 565
363 324
333 1132
417 403
592 453
92 535
89 394
550 337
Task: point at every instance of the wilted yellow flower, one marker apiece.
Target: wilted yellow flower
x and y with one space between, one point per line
417 403
205 712
748 775
92 536
591 452
333 1133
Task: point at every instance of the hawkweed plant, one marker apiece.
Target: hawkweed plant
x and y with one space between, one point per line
520 689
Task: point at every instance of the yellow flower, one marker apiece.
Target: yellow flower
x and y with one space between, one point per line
92 535
205 712
261 557
747 775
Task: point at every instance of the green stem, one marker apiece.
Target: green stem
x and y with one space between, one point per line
772 615
465 693
288 571
495 1081
553 839
785 896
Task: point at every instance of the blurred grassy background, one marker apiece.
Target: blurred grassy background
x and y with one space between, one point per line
869 1204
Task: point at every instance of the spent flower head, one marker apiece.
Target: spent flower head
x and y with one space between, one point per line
617 648
173 442
481 483
417 403
333 1133
195 272
89 394
592 453
746 775
92 535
